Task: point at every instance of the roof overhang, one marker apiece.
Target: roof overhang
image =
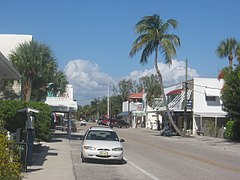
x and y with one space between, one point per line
7 71
61 104
211 114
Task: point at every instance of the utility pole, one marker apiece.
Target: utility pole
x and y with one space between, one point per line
108 105
185 100
98 108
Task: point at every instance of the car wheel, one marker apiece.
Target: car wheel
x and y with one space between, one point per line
83 158
121 161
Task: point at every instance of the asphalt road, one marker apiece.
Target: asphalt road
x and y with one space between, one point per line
150 156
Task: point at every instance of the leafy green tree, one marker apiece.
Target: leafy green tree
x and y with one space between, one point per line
151 86
229 48
232 130
115 105
231 92
125 87
86 111
154 37
37 65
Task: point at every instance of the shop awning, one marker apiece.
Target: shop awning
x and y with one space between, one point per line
124 113
212 92
175 92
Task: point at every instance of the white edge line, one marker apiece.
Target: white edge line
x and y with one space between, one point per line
142 170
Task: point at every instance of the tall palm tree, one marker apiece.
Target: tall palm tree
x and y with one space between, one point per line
154 37
30 59
230 49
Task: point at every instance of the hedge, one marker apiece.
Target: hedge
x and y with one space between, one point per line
232 130
12 120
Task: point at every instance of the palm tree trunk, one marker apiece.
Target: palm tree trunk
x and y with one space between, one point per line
27 90
230 58
164 96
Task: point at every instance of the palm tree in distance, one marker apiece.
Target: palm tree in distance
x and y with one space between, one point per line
154 37
229 48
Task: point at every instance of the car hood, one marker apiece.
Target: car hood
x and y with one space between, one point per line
102 144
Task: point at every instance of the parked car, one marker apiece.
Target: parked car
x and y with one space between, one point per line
113 122
83 123
105 122
101 143
99 121
167 131
119 123
122 123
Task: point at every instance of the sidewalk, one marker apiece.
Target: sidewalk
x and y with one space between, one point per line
53 162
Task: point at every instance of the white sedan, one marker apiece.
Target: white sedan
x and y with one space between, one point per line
101 143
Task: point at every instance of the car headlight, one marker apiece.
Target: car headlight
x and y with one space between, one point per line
117 149
89 148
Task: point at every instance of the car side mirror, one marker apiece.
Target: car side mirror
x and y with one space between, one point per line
122 140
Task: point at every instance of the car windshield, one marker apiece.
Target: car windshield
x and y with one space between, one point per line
102 135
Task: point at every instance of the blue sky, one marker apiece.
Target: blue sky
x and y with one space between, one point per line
101 32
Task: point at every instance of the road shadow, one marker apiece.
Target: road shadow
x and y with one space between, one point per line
106 162
40 157
57 136
76 137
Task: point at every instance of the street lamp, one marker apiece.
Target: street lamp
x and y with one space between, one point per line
185 100
108 98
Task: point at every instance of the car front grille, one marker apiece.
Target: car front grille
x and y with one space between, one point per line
102 149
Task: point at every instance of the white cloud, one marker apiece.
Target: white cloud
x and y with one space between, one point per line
172 74
87 79
90 82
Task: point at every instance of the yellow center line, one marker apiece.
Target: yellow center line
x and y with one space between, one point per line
184 154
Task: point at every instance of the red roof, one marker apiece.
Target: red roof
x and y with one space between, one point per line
136 96
176 91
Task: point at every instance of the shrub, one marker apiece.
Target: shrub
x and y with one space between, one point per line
10 167
232 130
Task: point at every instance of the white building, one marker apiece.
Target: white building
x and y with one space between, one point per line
204 107
8 43
65 103
133 111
